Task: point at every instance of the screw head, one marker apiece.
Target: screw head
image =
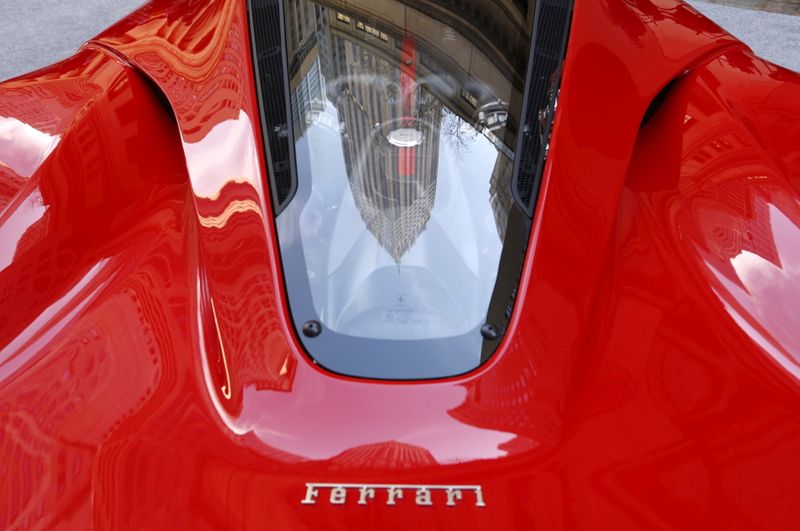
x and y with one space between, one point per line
489 332
312 328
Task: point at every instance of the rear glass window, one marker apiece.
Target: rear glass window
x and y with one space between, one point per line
405 118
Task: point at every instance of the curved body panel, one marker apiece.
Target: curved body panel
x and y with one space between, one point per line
149 372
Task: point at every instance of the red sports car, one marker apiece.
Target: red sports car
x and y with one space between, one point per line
400 264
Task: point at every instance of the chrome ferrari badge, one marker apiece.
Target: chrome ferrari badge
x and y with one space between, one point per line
423 495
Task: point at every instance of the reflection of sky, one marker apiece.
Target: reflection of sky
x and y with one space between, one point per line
456 255
771 296
227 153
22 147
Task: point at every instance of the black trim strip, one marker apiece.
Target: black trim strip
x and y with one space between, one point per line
267 37
549 47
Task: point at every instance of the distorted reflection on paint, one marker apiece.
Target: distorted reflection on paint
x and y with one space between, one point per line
759 297
22 147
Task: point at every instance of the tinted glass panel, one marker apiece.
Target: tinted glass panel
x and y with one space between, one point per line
405 118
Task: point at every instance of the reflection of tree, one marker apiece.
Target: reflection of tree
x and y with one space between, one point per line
458 134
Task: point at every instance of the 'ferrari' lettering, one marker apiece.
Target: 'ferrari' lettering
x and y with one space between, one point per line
394 493
338 495
311 495
453 495
424 495
366 492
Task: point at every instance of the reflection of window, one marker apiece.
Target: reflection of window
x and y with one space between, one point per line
372 31
469 97
427 62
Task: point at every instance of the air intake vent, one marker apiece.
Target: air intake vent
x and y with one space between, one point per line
270 69
550 32
658 100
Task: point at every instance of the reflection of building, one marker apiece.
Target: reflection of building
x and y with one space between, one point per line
523 406
489 35
390 454
381 80
468 55
45 103
307 82
394 188
500 193
10 185
183 70
308 98
301 24
731 208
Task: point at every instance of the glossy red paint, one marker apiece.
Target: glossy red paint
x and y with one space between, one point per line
149 376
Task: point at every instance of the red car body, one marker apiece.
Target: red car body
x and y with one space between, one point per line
150 376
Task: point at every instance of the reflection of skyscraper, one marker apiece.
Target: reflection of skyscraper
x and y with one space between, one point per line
308 95
308 99
393 186
367 67
301 24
